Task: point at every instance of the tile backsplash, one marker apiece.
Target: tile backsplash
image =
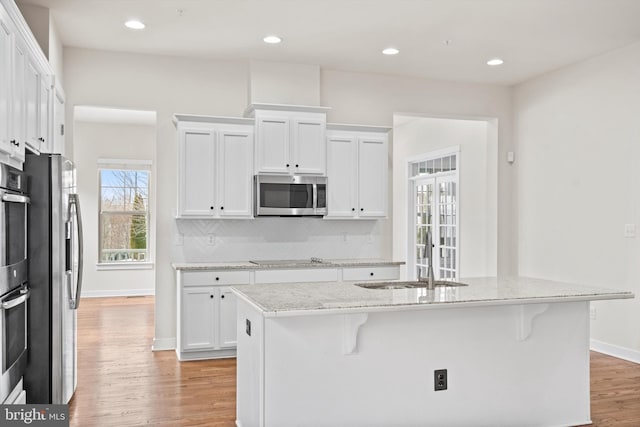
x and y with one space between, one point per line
278 238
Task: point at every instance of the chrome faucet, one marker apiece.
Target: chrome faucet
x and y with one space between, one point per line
428 247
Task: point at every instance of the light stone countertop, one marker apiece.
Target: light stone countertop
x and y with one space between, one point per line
299 299
282 264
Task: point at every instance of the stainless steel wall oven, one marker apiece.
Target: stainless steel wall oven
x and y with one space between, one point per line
14 286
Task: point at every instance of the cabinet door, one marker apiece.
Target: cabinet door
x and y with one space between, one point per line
227 318
44 118
372 177
308 146
341 176
58 123
32 104
235 177
6 55
196 173
272 145
198 320
18 110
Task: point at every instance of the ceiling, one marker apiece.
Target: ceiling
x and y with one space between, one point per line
438 39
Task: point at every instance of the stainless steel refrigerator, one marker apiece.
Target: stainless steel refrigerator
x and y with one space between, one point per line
55 277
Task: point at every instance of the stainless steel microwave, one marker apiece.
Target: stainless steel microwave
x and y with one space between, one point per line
286 195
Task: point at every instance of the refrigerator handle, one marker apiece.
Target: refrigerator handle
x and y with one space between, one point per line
74 200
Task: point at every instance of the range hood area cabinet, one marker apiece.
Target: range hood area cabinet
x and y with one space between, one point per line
290 140
215 163
357 171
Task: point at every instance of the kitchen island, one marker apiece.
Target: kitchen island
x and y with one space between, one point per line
515 351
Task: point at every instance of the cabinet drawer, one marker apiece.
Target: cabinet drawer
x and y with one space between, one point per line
203 278
297 275
371 273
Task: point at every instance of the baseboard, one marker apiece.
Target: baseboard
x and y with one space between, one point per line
162 344
615 351
118 293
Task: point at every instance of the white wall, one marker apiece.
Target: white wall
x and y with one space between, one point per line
578 164
373 99
43 27
95 141
170 84
282 83
478 218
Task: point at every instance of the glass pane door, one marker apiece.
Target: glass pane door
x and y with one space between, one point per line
423 200
436 208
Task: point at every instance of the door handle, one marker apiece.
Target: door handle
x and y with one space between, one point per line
74 200
15 198
16 301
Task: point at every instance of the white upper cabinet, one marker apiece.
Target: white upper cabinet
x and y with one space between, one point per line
215 167
290 139
32 79
273 144
18 110
308 151
234 172
196 172
6 57
373 167
357 169
26 101
342 176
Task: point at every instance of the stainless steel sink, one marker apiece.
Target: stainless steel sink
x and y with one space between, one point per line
408 285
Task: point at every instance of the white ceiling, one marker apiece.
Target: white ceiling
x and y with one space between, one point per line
532 36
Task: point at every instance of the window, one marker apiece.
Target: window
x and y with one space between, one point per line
124 211
434 182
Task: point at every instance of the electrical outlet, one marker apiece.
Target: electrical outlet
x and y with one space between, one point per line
592 313
179 239
344 236
440 379
630 231
211 239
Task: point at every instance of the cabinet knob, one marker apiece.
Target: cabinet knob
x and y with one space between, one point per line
211 296
353 209
371 274
217 278
211 207
221 208
361 209
287 164
296 165
222 296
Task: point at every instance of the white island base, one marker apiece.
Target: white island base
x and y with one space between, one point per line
508 365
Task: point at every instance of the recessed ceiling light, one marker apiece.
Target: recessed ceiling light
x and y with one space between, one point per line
134 24
391 51
272 39
495 61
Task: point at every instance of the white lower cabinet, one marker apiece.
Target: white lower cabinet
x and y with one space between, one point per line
207 307
207 314
370 273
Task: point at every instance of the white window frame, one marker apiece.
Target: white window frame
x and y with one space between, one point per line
436 178
126 164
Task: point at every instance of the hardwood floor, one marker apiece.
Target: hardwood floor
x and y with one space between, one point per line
121 382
